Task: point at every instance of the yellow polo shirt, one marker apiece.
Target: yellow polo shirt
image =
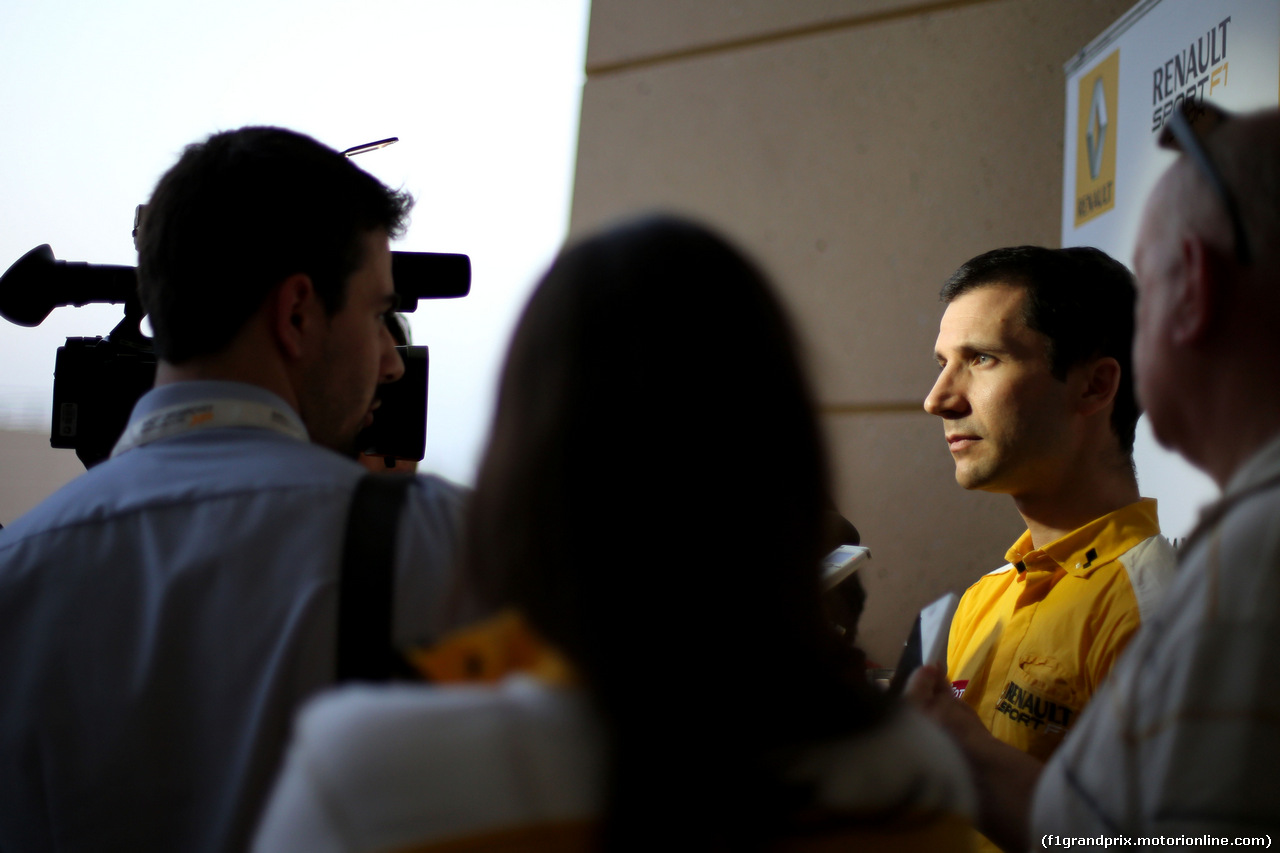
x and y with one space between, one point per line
1032 641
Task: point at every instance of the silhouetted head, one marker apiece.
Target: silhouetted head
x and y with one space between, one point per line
1208 263
239 213
653 499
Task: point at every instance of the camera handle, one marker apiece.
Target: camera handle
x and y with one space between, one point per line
129 330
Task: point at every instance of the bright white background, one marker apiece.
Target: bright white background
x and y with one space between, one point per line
97 100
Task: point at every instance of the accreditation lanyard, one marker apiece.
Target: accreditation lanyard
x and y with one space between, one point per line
206 414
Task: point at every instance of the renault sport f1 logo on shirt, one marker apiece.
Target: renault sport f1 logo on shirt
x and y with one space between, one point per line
1026 708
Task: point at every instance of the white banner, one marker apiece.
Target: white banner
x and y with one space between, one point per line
1120 90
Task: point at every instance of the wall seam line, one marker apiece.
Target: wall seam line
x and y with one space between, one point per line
914 408
730 45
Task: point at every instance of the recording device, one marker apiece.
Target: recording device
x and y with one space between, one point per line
841 563
842 594
97 380
927 641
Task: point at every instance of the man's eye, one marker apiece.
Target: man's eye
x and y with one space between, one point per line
982 359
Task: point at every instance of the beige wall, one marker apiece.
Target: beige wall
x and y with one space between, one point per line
30 471
861 150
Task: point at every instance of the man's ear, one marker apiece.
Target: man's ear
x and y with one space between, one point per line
1194 297
295 309
1101 383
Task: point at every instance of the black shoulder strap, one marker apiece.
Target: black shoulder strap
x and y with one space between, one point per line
366 649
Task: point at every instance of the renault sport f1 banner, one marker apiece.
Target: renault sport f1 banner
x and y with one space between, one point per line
1121 89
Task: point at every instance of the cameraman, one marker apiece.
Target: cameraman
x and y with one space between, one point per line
164 615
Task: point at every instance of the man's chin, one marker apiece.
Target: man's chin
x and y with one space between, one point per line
967 478
344 445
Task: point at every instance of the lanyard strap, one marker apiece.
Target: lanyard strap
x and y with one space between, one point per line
206 414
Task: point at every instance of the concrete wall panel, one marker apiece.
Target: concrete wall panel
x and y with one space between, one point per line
626 32
862 165
32 471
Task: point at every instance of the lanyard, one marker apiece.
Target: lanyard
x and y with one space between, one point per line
206 414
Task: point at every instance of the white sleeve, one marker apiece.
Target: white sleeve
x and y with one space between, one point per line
298 817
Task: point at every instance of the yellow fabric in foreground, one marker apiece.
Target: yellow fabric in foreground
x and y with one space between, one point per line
941 834
505 644
489 651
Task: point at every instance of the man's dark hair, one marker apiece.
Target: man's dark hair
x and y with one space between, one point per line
1080 298
239 213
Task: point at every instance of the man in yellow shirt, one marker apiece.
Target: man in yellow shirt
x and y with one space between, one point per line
1035 391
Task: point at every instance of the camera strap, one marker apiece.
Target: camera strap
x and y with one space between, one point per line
206 414
366 590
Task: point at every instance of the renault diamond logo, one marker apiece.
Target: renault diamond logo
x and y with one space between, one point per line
1097 107
1096 133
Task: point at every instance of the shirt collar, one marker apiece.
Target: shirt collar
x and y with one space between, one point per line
196 390
1085 549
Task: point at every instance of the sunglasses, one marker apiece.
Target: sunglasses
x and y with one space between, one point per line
1187 128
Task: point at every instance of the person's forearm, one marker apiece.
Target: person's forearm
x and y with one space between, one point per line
1005 778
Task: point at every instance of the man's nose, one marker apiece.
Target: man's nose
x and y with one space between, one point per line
944 399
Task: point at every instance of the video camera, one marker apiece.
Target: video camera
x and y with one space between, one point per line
97 380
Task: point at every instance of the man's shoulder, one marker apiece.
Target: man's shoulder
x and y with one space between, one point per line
1149 566
1239 559
1200 674
232 466
1135 556
996 579
434 489
456 748
182 472
353 721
